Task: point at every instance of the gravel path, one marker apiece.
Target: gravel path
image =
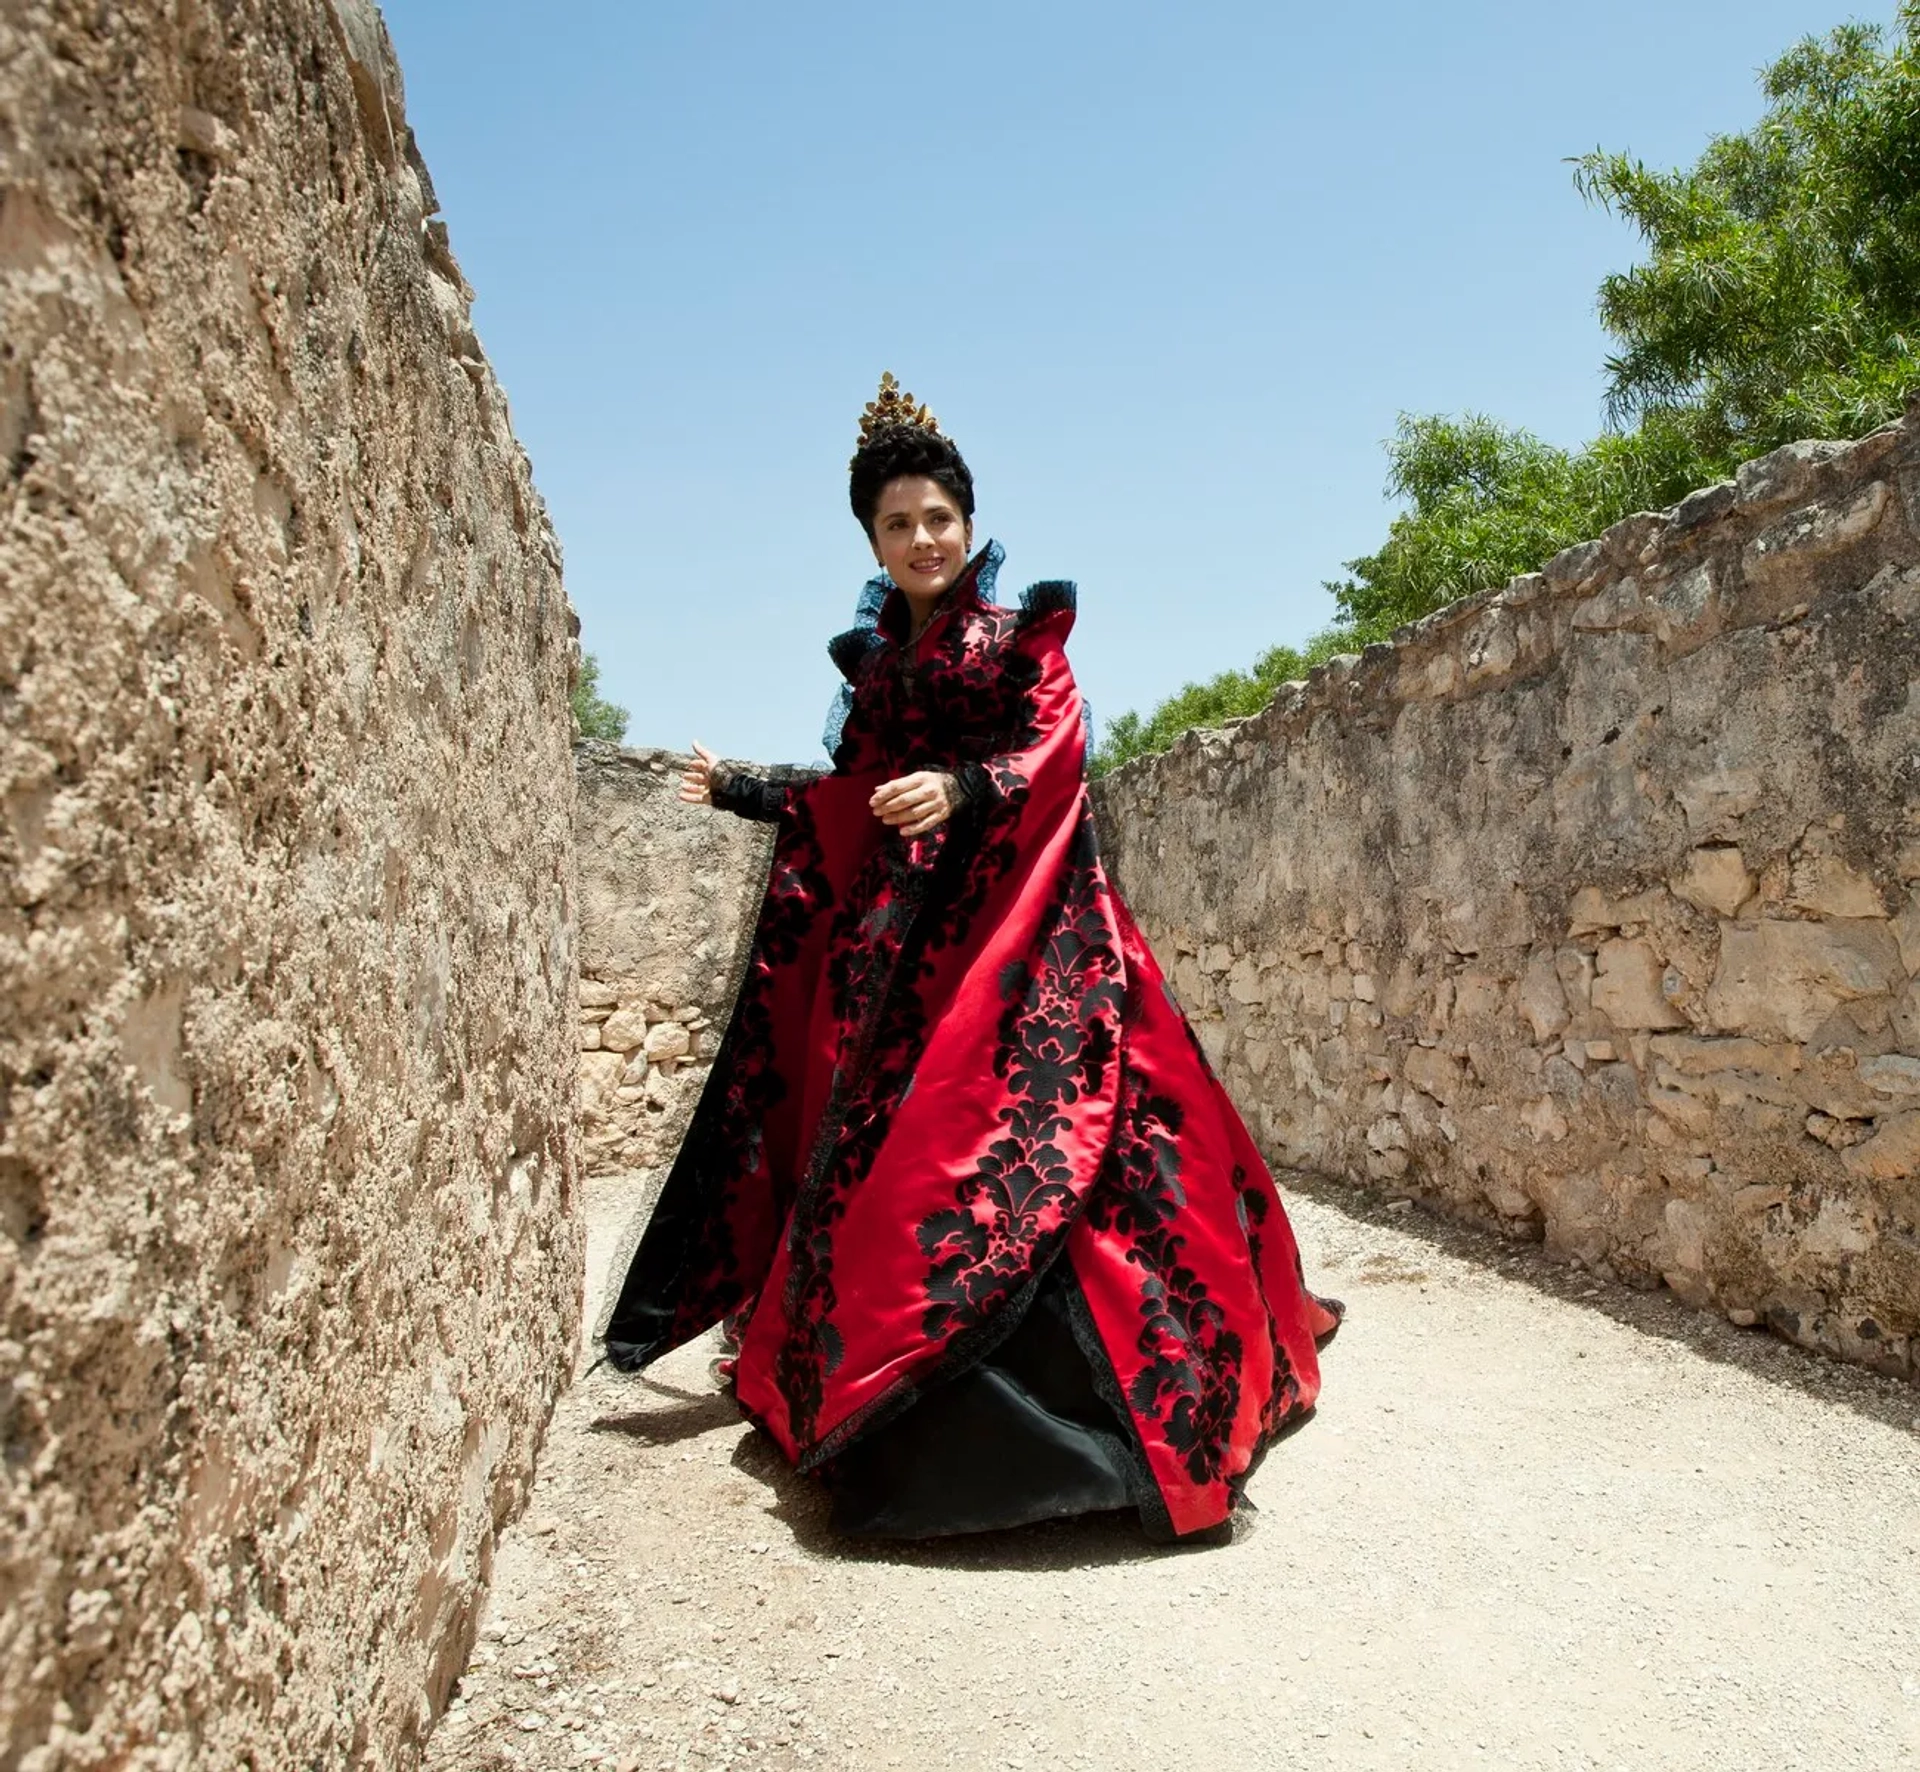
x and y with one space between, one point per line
1537 1522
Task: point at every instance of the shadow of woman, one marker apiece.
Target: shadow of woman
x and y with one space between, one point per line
694 1413
1084 1541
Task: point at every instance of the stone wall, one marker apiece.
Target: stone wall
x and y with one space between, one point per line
286 1071
1588 908
667 894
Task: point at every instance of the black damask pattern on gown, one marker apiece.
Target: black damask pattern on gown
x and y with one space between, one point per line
1057 1037
1190 1379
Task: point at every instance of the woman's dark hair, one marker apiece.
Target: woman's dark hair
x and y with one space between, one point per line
896 450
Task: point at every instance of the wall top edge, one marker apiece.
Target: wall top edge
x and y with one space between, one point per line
1647 548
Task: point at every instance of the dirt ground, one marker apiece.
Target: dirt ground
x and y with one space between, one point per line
1536 1522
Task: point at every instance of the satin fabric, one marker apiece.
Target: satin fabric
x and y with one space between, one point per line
954 1065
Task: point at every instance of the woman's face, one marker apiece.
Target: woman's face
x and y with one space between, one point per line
920 537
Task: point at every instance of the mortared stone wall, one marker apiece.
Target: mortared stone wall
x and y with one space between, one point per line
288 1278
1590 908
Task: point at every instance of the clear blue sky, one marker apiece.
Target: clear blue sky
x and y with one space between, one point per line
1168 273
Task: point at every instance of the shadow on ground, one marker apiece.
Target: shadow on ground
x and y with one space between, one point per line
800 1504
1890 1401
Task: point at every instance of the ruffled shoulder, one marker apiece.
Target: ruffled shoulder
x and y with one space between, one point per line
850 647
849 650
1050 604
986 573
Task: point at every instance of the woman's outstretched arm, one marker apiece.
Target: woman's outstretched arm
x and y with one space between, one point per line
710 782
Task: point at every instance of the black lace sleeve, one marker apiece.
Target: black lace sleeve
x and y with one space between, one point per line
748 796
969 787
762 797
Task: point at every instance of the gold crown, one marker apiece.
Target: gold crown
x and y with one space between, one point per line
891 406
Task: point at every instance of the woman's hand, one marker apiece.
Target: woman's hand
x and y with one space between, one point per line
915 804
696 786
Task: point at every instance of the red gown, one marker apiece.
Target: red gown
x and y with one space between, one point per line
1000 1245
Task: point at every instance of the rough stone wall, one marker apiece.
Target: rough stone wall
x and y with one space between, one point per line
667 896
1589 907
287 1061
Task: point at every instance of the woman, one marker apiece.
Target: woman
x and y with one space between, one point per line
994 1243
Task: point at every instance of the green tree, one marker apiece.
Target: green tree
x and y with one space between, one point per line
1486 502
1228 696
1779 298
593 715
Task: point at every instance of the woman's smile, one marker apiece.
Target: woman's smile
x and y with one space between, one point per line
921 538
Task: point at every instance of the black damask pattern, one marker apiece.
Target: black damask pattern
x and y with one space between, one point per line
1058 1035
725 1140
967 699
1193 1362
882 1030
1253 1203
691 1258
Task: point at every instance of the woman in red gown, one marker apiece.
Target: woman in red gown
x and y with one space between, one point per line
995 1243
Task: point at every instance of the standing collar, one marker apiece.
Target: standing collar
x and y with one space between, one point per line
974 587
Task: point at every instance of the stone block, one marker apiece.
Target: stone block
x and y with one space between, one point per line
1492 648
1687 1112
1575 565
1835 1133
1716 801
1244 983
1892 1152
1593 910
1793 548
1704 506
1778 977
1542 1002
1616 606
1839 1228
1388 1133
1434 1073
1575 968
1788 473
624 1030
1629 987
1544 1120
1826 886
1686 1235
1891 1074
666 1040
1906 932
1700 1057
1684 610
1716 879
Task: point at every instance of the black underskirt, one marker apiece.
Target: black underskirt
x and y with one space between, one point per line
1021 1435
